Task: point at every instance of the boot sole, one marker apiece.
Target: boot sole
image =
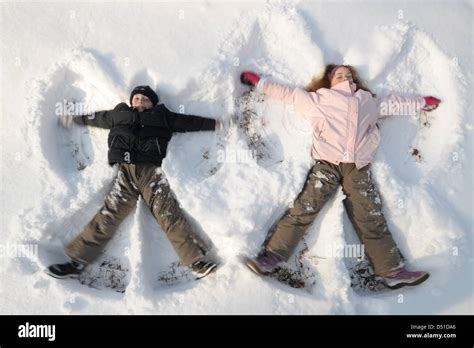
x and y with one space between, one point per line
68 276
210 270
253 267
401 285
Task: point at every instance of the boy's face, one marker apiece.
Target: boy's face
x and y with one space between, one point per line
141 102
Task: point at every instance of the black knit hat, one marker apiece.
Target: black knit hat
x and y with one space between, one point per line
146 91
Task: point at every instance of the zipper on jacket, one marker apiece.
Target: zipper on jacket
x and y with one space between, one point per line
114 139
158 144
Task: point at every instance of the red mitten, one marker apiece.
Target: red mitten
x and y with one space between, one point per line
431 103
249 78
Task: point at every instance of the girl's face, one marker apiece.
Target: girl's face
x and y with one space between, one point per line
342 74
141 102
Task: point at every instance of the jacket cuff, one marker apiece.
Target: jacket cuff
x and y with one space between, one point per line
209 124
423 102
260 85
79 119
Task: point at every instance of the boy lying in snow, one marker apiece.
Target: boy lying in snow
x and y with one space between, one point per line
138 140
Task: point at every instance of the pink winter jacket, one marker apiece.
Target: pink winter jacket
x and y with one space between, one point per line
343 120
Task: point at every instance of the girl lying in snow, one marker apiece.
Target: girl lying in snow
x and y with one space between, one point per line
343 114
138 140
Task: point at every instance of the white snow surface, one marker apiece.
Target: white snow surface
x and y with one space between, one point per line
192 53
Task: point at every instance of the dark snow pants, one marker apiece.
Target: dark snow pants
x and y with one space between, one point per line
148 181
363 206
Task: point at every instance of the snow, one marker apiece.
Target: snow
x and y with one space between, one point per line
192 53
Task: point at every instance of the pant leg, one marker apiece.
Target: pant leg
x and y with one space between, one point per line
162 202
118 204
364 208
321 183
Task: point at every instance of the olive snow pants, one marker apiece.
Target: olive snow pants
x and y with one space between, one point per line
132 180
363 206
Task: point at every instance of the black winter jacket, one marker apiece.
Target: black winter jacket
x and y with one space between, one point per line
142 137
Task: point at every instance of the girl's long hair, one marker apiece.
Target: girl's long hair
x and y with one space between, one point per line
323 80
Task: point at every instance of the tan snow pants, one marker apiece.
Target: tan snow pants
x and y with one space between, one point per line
148 181
363 206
